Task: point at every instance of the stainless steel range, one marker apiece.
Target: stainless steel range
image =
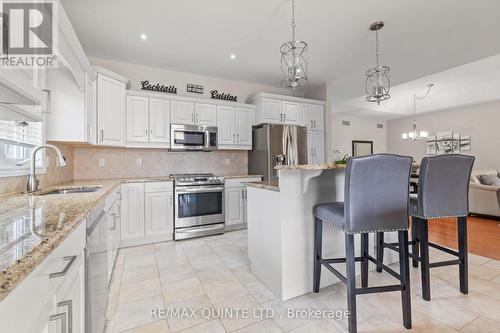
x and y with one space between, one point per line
199 205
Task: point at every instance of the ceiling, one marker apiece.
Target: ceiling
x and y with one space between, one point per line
472 83
420 37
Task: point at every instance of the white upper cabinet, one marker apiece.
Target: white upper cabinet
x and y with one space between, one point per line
182 112
205 114
313 117
111 111
288 110
317 117
189 113
137 119
290 113
244 120
148 122
226 125
159 120
234 127
271 111
91 109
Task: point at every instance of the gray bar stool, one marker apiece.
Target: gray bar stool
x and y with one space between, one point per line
375 200
443 192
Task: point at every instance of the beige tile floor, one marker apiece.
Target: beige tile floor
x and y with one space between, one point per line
213 273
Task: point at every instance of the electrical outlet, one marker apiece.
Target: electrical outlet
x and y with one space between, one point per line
139 162
226 161
102 162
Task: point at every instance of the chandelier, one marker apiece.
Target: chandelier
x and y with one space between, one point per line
293 59
378 82
415 134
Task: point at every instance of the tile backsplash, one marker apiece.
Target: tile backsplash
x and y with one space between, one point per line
54 174
84 162
100 163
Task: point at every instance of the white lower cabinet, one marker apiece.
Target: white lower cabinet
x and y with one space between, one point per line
52 297
147 213
235 201
132 218
315 147
159 214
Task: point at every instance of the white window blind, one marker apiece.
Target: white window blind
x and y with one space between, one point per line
17 139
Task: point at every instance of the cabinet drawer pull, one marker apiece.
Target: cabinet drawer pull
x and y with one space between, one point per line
69 304
102 135
62 317
71 260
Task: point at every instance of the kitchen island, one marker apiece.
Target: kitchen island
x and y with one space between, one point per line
281 228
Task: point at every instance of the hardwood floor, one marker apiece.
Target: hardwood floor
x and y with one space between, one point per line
483 235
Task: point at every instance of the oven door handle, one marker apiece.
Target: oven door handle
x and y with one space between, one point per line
200 189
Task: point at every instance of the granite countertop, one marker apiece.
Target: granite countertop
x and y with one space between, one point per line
25 243
271 185
327 166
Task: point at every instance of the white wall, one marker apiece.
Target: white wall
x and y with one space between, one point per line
364 129
138 73
339 137
480 121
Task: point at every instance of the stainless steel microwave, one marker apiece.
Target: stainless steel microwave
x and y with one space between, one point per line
192 137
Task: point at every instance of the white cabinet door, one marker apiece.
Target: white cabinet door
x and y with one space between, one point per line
226 133
271 111
205 114
159 213
315 147
90 109
137 119
70 299
244 122
182 112
132 217
317 118
305 110
234 205
291 114
110 111
159 120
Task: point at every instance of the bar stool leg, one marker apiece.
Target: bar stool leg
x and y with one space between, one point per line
404 269
424 257
415 239
318 240
364 263
351 281
462 255
380 249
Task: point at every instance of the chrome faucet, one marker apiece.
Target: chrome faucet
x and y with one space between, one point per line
32 183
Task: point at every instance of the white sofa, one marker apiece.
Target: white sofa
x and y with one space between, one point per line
483 199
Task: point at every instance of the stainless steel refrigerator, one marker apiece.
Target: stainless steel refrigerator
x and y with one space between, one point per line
274 145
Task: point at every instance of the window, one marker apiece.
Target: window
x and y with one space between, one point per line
17 139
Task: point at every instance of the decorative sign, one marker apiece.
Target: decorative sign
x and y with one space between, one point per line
158 87
215 94
194 88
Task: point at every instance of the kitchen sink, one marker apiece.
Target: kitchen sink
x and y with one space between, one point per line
72 190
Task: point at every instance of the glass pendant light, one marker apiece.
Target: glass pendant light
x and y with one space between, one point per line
293 59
